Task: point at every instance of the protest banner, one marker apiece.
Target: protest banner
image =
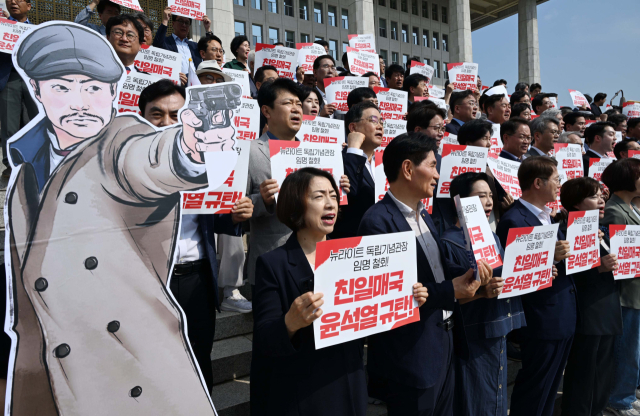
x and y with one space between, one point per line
554 102
578 98
456 160
367 284
307 54
506 173
496 142
528 260
382 183
435 92
625 244
597 166
634 154
463 76
447 139
240 77
290 156
631 109
316 129
220 200
10 32
163 63
392 103
193 9
247 120
477 230
337 90
437 101
365 43
3 7
131 89
361 62
393 129
569 157
131 4
285 60
422 69
582 234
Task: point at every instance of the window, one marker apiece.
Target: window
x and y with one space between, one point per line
256 31
382 3
436 40
415 36
394 31
345 45
331 15
304 9
383 55
383 28
272 6
256 4
238 2
445 43
273 36
318 38
239 28
444 70
436 67
443 17
425 38
414 7
405 34
403 6
345 19
288 8
333 48
434 11
405 60
304 38
425 61
393 4
425 10
394 57
289 39
317 12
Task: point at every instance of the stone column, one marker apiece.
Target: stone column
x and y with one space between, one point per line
528 49
460 31
222 24
361 18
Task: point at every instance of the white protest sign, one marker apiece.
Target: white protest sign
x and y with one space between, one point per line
506 173
316 129
496 142
392 103
131 89
393 129
307 54
582 234
625 244
247 119
463 76
365 43
221 199
635 154
456 160
631 109
193 9
285 60
437 101
479 231
290 156
569 157
578 98
528 260
10 32
337 90
361 62
240 77
422 69
3 7
131 4
465 236
368 286
163 63
382 183
554 102
597 166
435 92
447 139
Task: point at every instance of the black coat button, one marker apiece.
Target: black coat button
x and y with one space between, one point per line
91 263
136 391
113 326
71 198
41 284
62 350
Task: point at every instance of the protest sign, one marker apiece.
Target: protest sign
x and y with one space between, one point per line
131 4
193 9
478 231
367 284
290 156
393 129
337 90
578 98
496 142
597 166
392 103
10 32
382 183
582 234
240 77
3 7
463 76
437 101
247 120
316 129
221 199
625 244
307 54
285 60
631 109
506 173
361 62
569 157
634 154
458 159
435 92
163 63
554 102
422 69
365 43
447 139
131 89
528 260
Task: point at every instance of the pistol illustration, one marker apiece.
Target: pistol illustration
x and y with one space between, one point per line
205 102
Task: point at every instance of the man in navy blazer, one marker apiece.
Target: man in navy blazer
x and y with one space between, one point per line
464 108
411 367
551 313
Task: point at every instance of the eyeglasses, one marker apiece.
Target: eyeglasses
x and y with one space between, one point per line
213 79
556 179
119 33
217 50
472 103
184 22
375 120
438 128
522 138
328 66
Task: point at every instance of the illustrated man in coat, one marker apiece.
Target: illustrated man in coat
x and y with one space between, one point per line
93 217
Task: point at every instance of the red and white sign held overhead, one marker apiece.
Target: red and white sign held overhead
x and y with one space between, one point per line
569 157
361 62
597 166
463 76
578 98
165 64
10 32
131 4
193 9
392 103
459 159
307 54
422 69
631 109
337 90
365 43
285 60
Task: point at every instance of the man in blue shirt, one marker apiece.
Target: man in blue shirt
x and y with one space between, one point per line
106 10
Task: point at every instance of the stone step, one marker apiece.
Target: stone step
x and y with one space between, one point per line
231 324
231 358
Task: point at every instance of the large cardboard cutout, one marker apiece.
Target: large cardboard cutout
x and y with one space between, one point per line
92 216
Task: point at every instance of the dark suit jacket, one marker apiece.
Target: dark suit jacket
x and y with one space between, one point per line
289 376
169 43
412 354
444 214
585 161
6 65
453 127
509 156
34 148
551 313
596 110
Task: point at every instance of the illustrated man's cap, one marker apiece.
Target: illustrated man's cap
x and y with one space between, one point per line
62 49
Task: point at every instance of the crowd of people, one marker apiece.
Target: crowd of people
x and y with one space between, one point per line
585 327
